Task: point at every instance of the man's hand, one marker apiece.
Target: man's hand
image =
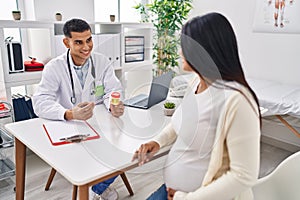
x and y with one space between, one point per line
146 152
171 193
117 110
82 111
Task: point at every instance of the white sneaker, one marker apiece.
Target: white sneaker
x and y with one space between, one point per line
93 195
109 194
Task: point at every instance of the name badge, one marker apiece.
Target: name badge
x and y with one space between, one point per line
99 90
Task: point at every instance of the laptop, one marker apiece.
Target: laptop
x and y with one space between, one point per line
158 92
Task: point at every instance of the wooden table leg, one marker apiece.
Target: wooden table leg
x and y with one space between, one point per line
20 156
127 184
83 192
50 179
74 193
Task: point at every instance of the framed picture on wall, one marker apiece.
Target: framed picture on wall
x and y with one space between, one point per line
277 16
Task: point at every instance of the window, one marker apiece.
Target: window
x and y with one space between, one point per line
128 13
124 8
7 6
104 8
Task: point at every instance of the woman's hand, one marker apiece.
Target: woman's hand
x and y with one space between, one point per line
171 193
146 152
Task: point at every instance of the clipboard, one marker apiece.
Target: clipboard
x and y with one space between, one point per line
57 131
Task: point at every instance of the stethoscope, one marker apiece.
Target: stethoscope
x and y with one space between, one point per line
93 91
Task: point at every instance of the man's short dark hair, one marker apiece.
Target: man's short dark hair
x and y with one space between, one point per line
75 25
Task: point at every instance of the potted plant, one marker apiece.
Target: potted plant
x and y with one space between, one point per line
112 18
58 16
167 17
169 108
16 14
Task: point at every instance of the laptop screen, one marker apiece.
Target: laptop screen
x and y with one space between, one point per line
158 92
159 88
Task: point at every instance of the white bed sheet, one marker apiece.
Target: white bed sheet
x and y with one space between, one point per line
278 98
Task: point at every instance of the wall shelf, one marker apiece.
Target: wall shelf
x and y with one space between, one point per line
25 24
28 31
18 78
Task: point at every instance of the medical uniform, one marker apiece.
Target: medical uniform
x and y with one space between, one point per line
53 95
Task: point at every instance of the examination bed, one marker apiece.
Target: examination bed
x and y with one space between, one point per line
280 100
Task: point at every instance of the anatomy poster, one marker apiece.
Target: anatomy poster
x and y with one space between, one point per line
277 16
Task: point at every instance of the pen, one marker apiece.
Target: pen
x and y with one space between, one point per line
75 138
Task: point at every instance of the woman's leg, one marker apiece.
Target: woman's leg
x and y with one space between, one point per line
160 194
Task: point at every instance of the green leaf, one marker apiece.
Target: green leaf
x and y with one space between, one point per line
169 105
167 17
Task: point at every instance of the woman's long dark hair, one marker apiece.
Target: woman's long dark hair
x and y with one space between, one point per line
209 46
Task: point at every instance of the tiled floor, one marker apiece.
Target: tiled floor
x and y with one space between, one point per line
143 179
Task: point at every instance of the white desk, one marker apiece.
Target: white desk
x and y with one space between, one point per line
89 162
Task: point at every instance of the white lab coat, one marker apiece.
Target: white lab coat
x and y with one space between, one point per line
53 95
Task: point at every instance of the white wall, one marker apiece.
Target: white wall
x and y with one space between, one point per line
270 56
45 9
27 9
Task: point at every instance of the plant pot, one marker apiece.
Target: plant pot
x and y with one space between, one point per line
169 112
112 18
16 15
58 17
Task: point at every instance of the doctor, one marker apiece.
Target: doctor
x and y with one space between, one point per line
74 82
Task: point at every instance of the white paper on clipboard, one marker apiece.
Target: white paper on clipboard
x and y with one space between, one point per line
64 129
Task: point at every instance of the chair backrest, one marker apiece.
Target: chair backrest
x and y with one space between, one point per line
282 183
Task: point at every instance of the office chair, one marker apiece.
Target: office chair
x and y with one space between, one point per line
282 183
74 193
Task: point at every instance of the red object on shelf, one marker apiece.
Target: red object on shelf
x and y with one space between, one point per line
4 111
2 106
33 65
